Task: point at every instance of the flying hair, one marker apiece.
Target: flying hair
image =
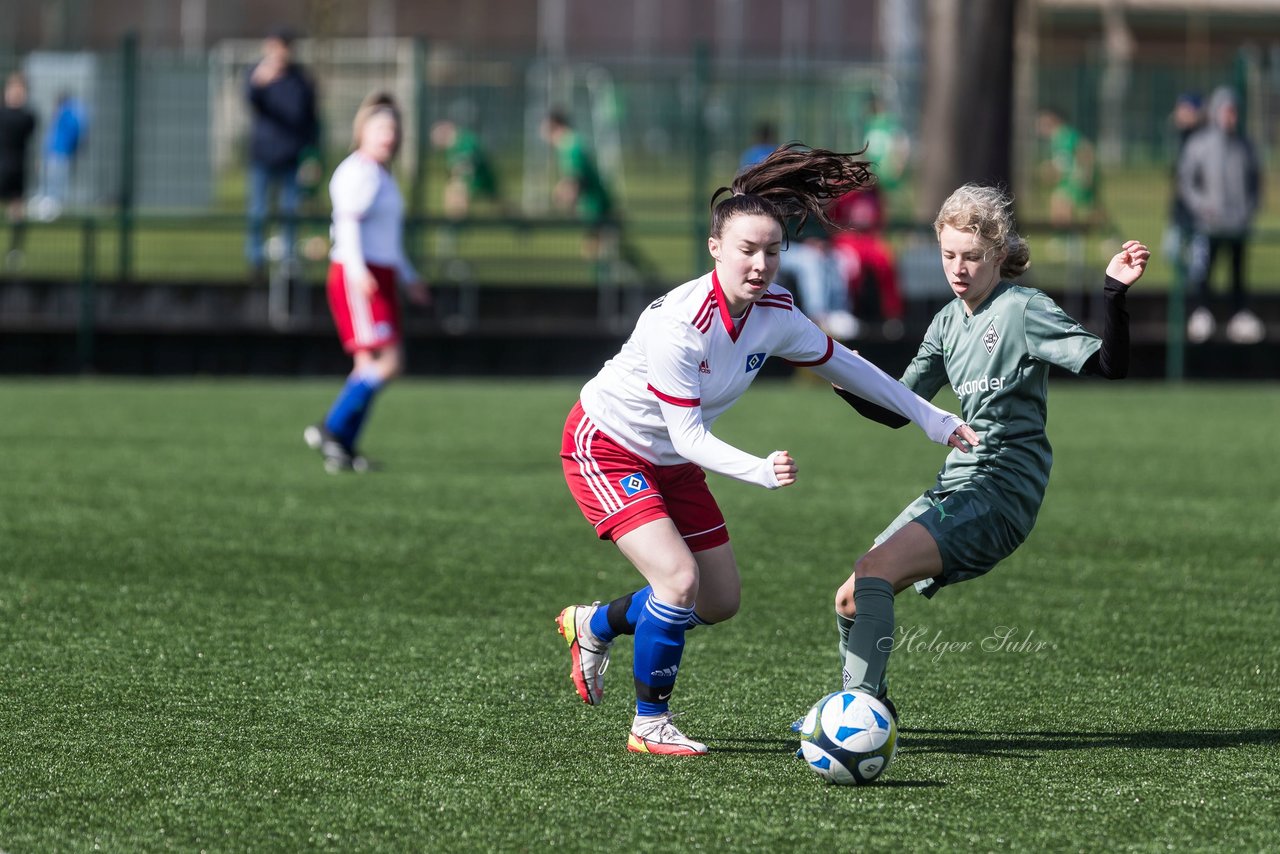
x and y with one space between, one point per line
987 213
793 181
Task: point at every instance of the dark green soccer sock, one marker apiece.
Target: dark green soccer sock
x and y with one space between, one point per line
844 625
871 638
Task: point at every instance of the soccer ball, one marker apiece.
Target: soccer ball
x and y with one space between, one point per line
848 738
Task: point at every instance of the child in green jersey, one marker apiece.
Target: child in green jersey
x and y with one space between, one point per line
993 345
1072 170
470 173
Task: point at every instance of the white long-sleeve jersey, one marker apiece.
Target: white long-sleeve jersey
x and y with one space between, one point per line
687 361
368 217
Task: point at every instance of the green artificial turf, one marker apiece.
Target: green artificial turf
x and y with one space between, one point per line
207 643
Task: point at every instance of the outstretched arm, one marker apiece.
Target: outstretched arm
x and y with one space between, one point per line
872 411
864 380
1126 267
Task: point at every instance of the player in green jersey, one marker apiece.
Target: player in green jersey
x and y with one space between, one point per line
993 345
1072 169
471 176
581 186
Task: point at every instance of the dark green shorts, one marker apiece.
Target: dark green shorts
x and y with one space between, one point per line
972 531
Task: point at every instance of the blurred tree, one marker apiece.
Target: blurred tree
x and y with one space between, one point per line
967 126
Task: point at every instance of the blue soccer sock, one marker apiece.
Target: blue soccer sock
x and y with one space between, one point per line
659 646
871 637
621 615
347 415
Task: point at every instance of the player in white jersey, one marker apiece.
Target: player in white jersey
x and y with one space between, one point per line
366 261
636 444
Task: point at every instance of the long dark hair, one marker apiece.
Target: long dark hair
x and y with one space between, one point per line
793 181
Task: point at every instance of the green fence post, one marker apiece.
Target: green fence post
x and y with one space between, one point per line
698 143
418 181
88 295
422 132
128 110
1174 337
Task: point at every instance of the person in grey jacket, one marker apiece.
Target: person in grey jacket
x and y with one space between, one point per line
1219 178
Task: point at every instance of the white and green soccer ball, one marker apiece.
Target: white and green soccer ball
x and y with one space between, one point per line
848 738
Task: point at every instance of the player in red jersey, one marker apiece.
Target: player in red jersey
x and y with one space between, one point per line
636 445
365 263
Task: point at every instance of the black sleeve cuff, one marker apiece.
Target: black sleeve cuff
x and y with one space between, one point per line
872 411
1112 359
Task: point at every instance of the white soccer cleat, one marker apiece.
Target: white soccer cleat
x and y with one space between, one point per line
590 655
658 735
313 436
1245 328
1200 326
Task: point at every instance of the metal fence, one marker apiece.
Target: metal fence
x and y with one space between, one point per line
160 180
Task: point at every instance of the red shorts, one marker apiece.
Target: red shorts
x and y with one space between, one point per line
365 322
618 491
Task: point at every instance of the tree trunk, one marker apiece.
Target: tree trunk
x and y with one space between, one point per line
967 127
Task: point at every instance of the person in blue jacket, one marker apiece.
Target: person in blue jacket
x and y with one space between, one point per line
61 145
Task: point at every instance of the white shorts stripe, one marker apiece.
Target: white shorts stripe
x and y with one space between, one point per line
361 314
652 497
700 533
595 479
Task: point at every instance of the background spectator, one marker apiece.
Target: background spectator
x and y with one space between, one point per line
867 262
17 124
1070 169
283 105
888 146
764 139
470 171
1219 177
808 263
61 145
1187 118
580 186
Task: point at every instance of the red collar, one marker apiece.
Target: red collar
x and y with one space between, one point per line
722 305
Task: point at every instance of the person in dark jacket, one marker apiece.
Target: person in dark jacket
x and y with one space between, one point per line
282 101
1187 118
17 124
1219 177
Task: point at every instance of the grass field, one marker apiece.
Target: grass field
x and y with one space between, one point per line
206 643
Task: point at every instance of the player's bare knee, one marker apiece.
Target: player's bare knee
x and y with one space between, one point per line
844 600
391 365
678 584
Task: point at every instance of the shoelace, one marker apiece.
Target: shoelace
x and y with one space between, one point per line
664 727
602 649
